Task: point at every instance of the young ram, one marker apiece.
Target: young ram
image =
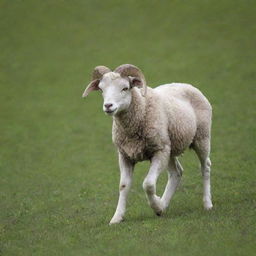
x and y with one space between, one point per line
157 125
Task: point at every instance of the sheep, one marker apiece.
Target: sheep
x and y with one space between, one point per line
156 125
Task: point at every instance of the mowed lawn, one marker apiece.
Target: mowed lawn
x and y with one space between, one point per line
58 168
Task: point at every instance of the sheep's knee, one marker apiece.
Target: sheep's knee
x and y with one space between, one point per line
123 186
206 169
149 187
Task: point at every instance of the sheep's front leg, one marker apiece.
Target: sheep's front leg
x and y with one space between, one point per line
159 162
126 171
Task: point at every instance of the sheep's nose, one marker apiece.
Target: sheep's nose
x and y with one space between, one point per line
108 105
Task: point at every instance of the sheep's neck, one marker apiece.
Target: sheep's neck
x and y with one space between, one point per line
131 121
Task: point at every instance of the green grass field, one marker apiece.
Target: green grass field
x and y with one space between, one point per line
58 168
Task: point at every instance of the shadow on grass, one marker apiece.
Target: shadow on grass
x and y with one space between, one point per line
169 215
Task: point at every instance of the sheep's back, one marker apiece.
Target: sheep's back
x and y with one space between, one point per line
188 113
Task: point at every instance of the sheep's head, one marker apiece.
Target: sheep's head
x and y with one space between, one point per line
116 86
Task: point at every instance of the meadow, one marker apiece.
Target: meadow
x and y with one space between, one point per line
58 167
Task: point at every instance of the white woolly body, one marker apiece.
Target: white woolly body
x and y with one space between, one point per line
171 114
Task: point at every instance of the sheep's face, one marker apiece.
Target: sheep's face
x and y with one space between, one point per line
116 92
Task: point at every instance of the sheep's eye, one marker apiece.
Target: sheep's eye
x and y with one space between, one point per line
124 89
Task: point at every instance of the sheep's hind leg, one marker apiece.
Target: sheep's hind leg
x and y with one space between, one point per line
158 163
202 148
174 176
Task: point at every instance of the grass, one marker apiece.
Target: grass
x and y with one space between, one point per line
58 168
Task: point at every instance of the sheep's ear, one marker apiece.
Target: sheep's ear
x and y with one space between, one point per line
135 81
93 86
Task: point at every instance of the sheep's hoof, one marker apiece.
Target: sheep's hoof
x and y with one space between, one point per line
158 206
159 214
208 206
116 220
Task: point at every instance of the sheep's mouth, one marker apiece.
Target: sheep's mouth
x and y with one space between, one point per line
110 112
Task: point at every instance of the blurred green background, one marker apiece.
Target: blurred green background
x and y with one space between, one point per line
58 168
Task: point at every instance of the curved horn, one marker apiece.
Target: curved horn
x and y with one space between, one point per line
131 70
97 74
99 71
